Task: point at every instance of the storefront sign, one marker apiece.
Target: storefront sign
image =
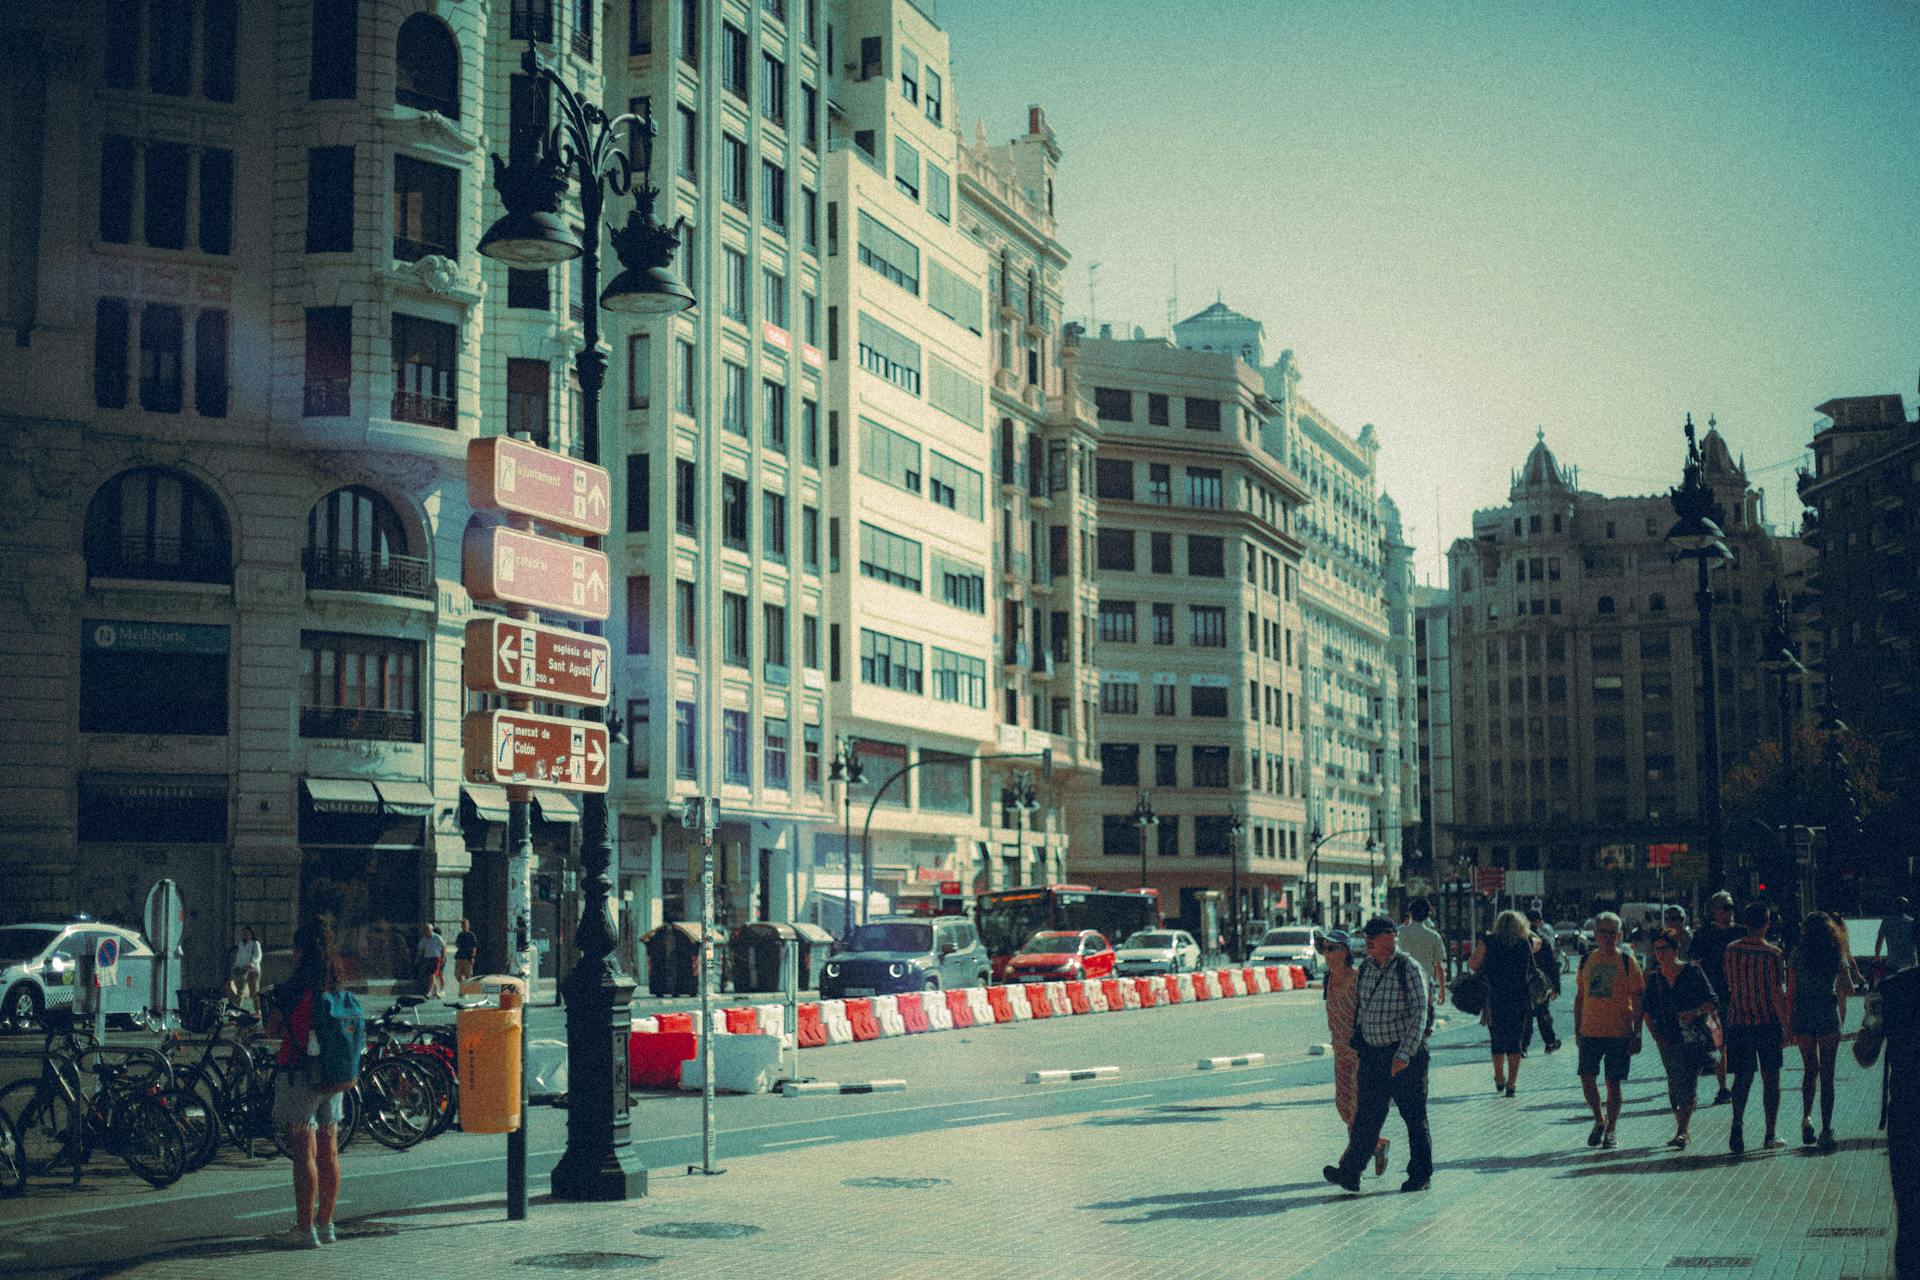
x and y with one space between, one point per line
102 635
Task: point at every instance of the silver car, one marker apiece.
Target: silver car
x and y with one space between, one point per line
39 966
1156 951
1291 945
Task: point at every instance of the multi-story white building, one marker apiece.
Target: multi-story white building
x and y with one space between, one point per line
1402 758
1198 638
243 384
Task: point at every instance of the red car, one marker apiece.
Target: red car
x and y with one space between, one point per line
1065 955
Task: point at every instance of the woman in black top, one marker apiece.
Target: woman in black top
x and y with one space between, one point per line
1505 956
1676 995
465 948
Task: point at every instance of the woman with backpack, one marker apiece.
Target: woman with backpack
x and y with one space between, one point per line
321 1033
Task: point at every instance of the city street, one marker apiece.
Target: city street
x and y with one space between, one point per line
1164 1170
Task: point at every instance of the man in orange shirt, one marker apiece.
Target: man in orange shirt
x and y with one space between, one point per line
1606 1018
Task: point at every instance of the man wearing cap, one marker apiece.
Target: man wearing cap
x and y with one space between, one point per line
1390 1032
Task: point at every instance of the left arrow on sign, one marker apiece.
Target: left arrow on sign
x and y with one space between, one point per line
509 651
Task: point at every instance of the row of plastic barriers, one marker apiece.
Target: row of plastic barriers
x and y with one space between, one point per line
827 1022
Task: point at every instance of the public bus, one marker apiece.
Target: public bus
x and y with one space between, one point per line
1006 918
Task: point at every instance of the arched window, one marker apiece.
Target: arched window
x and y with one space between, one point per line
355 542
1606 604
157 525
427 67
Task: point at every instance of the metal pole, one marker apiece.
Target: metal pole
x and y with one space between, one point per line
710 820
1710 709
519 892
846 840
792 946
1791 864
1233 926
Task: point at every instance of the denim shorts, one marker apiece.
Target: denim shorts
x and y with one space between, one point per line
298 1105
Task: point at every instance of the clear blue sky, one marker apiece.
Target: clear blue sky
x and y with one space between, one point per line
1469 219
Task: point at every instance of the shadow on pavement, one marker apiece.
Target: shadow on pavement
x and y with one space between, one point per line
1246 1202
352 1230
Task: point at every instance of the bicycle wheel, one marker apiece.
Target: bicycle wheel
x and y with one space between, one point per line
42 1119
199 1122
13 1161
399 1102
132 1066
446 1092
150 1140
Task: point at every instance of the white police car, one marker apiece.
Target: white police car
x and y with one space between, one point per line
39 964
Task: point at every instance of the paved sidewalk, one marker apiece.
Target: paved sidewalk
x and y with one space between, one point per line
1227 1189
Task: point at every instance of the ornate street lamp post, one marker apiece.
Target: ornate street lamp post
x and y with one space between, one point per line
585 149
847 770
1697 536
1144 817
1234 828
1018 796
1314 841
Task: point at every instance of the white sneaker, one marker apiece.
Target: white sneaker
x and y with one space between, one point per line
300 1238
327 1234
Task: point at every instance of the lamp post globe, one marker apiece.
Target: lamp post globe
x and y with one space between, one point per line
531 240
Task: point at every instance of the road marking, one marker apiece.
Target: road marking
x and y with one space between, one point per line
794 1142
1133 1097
989 1115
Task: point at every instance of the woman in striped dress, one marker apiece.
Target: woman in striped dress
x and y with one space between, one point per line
1342 995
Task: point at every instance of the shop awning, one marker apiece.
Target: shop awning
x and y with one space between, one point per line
341 795
489 803
405 799
555 806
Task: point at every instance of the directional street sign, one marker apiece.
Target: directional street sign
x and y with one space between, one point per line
506 747
512 566
512 475
505 656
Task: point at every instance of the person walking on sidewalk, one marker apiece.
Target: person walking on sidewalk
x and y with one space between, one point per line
1421 941
1549 966
1505 956
1606 1020
1895 1024
432 950
1708 949
1817 991
1675 922
1677 997
1341 992
1757 1025
1390 1032
243 977
466 948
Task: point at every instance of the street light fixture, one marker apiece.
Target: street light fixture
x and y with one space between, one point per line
1315 840
1144 817
1018 796
847 770
1696 535
585 149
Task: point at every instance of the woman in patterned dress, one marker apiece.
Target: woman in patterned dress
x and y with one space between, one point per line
1342 995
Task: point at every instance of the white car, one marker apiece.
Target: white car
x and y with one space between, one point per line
1156 951
39 964
1290 945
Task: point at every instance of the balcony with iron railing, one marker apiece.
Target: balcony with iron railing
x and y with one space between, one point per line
426 410
363 723
328 569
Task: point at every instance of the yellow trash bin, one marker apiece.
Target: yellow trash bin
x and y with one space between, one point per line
490 1060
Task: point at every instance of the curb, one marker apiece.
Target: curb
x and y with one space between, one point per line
1060 1077
810 1088
1244 1060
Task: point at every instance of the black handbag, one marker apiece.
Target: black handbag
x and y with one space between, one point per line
1537 985
1469 993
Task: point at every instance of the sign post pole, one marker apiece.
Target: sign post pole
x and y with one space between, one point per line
708 820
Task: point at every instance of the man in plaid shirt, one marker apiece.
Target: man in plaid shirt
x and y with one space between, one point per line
1390 1031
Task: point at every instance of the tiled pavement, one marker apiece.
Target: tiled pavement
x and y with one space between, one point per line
1228 1189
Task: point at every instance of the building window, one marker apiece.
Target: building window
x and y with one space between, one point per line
686 740
733 269
1207 626
639 614
1118 622
734 174
906 168
738 752
334 54
960 585
1160 483
1113 478
329 199
1209 702
583 27
810 433
773 293
733 416
889 253
1203 415
939 193
959 679
773 416
1113 404
890 662
529 410
328 362
1206 557
773 625
888 456
639 737
687 385
110 325
1120 697
1119 765
686 615
426 210
773 194
157 525
1119 837
956 486
1115 551
686 496
733 61
1165 696
736 641
361 687
811 752
160 358
639 492
427 67
531 20
932 95
774 734
889 558
165 192
687 153
1160 552
1156 409
423 371
810 539
1163 624
773 88
529 290
136 678
1203 487
810 117
1210 765
773 525
210 364
734 517
216 201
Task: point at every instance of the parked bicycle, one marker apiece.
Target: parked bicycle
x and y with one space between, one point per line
57 1122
